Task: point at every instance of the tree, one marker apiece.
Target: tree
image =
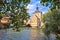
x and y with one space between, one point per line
52 18
16 9
54 4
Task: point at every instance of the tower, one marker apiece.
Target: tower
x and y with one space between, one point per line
36 18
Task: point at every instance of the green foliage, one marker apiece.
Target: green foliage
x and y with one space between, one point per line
52 18
54 4
0 16
16 9
58 38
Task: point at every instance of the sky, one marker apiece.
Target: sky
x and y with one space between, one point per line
36 3
32 7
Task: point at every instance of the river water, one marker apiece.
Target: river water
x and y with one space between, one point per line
24 34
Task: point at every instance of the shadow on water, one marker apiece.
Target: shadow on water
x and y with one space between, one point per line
24 34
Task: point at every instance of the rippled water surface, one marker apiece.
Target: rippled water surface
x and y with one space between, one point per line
24 34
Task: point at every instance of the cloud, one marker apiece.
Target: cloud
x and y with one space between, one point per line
32 7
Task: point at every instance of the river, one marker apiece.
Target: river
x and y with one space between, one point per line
24 34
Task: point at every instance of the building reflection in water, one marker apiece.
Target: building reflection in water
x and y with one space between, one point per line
26 34
36 35
33 35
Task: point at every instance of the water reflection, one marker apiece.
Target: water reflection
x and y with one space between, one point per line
3 34
24 34
33 34
37 35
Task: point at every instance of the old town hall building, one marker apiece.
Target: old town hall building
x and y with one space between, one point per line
36 19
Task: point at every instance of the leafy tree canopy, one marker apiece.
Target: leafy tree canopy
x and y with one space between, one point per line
54 4
52 18
16 9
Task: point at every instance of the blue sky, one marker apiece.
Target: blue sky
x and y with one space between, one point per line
33 4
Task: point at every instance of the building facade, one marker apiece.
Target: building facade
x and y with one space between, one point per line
36 19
